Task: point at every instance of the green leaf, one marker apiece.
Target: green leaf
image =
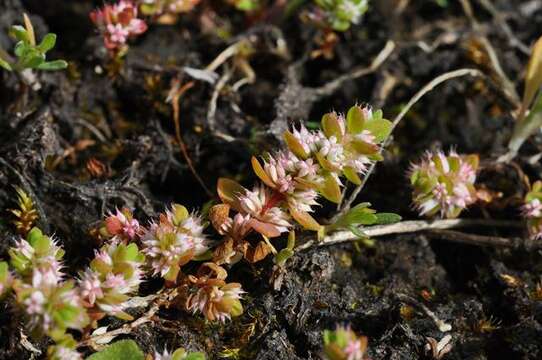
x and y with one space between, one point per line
387 218
42 245
33 235
351 175
295 145
53 65
47 43
331 125
380 129
120 350
355 120
362 217
20 48
19 33
331 189
32 58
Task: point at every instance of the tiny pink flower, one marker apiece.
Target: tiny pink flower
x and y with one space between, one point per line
34 304
91 287
114 281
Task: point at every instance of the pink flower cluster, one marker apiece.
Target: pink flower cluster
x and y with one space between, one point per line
121 226
213 297
444 184
52 304
113 275
173 241
117 23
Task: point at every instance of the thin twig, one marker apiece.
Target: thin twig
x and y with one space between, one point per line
427 88
473 239
412 227
156 302
507 85
174 98
211 111
332 86
441 325
514 41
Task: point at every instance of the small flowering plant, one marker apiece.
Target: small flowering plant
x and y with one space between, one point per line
340 14
29 54
37 251
292 179
112 277
117 23
51 304
532 210
344 344
210 295
121 226
52 308
173 241
443 185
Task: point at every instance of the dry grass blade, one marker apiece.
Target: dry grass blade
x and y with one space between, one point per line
174 97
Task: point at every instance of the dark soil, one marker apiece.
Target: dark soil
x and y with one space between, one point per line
131 132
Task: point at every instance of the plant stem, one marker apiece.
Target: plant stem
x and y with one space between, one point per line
413 226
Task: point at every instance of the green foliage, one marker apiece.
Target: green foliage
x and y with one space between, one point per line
341 14
120 350
29 54
43 249
362 215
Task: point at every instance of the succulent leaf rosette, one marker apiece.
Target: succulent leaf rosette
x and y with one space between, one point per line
112 277
212 296
173 241
345 147
51 308
51 304
532 210
443 185
37 251
344 344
